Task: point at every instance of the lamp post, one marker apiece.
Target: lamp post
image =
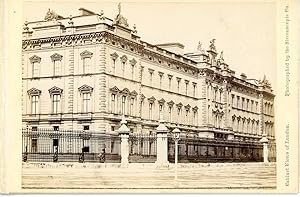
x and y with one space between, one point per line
176 133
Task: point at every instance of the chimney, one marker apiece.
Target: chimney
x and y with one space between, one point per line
243 76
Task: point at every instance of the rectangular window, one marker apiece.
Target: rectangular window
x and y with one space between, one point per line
113 103
132 72
55 128
56 68
170 82
123 69
34 145
34 104
161 112
186 88
86 127
194 118
170 114
150 111
113 66
178 85
131 106
237 102
194 90
160 81
86 65
86 102
123 104
232 100
35 69
56 103
151 76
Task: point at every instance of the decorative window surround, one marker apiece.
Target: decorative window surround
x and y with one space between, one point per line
34 91
85 89
55 90
35 59
86 54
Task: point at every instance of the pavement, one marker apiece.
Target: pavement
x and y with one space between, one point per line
147 176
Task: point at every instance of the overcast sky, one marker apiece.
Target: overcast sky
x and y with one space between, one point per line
244 31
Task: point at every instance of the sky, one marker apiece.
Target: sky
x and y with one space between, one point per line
244 31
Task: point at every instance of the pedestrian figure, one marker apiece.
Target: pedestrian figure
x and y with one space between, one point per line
102 156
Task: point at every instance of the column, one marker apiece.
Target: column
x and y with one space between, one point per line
124 134
162 145
264 140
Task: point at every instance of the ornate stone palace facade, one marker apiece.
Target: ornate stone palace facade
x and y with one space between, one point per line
86 72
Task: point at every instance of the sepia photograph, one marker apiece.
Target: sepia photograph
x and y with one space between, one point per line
150 97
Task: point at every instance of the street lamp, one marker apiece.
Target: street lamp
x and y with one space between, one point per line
176 133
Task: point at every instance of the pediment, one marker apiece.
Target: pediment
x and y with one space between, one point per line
86 54
34 59
114 89
85 88
55 90
34 91
56 57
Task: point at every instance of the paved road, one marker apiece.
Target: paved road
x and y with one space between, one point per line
189 176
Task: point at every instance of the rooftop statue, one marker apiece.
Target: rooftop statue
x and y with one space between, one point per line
265 82
199 48
51 15
120 20
212 46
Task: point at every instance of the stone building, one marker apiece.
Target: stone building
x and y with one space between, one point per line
88 71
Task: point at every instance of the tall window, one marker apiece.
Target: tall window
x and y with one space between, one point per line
232 100
35 62
86 65
160 79
114 56
178 84
194 89
194 117
123 104
34 104
178 115
187 116
123 61
56 103
150 111
131 106
237 102
186 86
86 57
56 68
170 81
170 113
161 112
35 69
86 102
113 103
132 63
151 76
56 59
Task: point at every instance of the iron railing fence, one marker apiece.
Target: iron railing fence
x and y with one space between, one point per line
197 149
48 145
142 148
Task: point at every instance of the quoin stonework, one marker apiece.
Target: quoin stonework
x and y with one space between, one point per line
87 72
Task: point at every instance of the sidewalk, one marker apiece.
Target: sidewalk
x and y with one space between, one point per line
143 176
